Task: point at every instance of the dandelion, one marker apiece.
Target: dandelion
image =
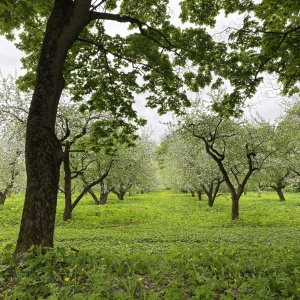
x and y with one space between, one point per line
126 246
140 279
67 279
188 249
102 258
234 280
220 253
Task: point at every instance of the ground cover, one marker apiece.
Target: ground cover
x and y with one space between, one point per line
160 245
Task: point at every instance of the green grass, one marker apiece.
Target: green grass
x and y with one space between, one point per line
160 246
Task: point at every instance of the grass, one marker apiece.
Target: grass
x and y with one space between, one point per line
160 246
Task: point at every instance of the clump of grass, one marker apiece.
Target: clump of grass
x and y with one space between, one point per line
160 246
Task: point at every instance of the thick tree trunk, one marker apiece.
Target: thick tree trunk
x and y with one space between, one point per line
43 151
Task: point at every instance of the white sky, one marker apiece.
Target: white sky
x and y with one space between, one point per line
266 102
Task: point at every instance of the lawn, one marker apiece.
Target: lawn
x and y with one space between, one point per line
160 245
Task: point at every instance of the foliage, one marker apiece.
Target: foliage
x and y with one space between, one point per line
160 246
264 40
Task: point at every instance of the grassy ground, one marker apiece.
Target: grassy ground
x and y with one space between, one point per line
160 246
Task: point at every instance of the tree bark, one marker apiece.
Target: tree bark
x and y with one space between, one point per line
103 198
279 192
2 198
91 192
235 207
67 183
43 151
199 193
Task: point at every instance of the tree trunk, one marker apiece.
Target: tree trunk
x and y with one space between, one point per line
235 207
199 193
210 200
91 192
2 198
67 183
258 193
279 192
43 153
121 195
103 198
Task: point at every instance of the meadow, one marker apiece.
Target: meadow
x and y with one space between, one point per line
160 245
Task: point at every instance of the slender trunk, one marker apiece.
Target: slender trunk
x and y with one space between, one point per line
192 193
279 192
234 207
91 192
2 198
67 183
43 153
121 195
210 200
199 193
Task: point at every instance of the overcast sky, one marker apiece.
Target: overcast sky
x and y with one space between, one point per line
266 102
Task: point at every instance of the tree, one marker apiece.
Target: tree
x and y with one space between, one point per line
238 147
74 34
282 168
190 168
11 162
134 168
12 131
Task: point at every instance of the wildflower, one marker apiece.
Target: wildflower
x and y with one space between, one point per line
67 279
102 258
234 280
140 279
188 249
82 269
126 246
220 253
